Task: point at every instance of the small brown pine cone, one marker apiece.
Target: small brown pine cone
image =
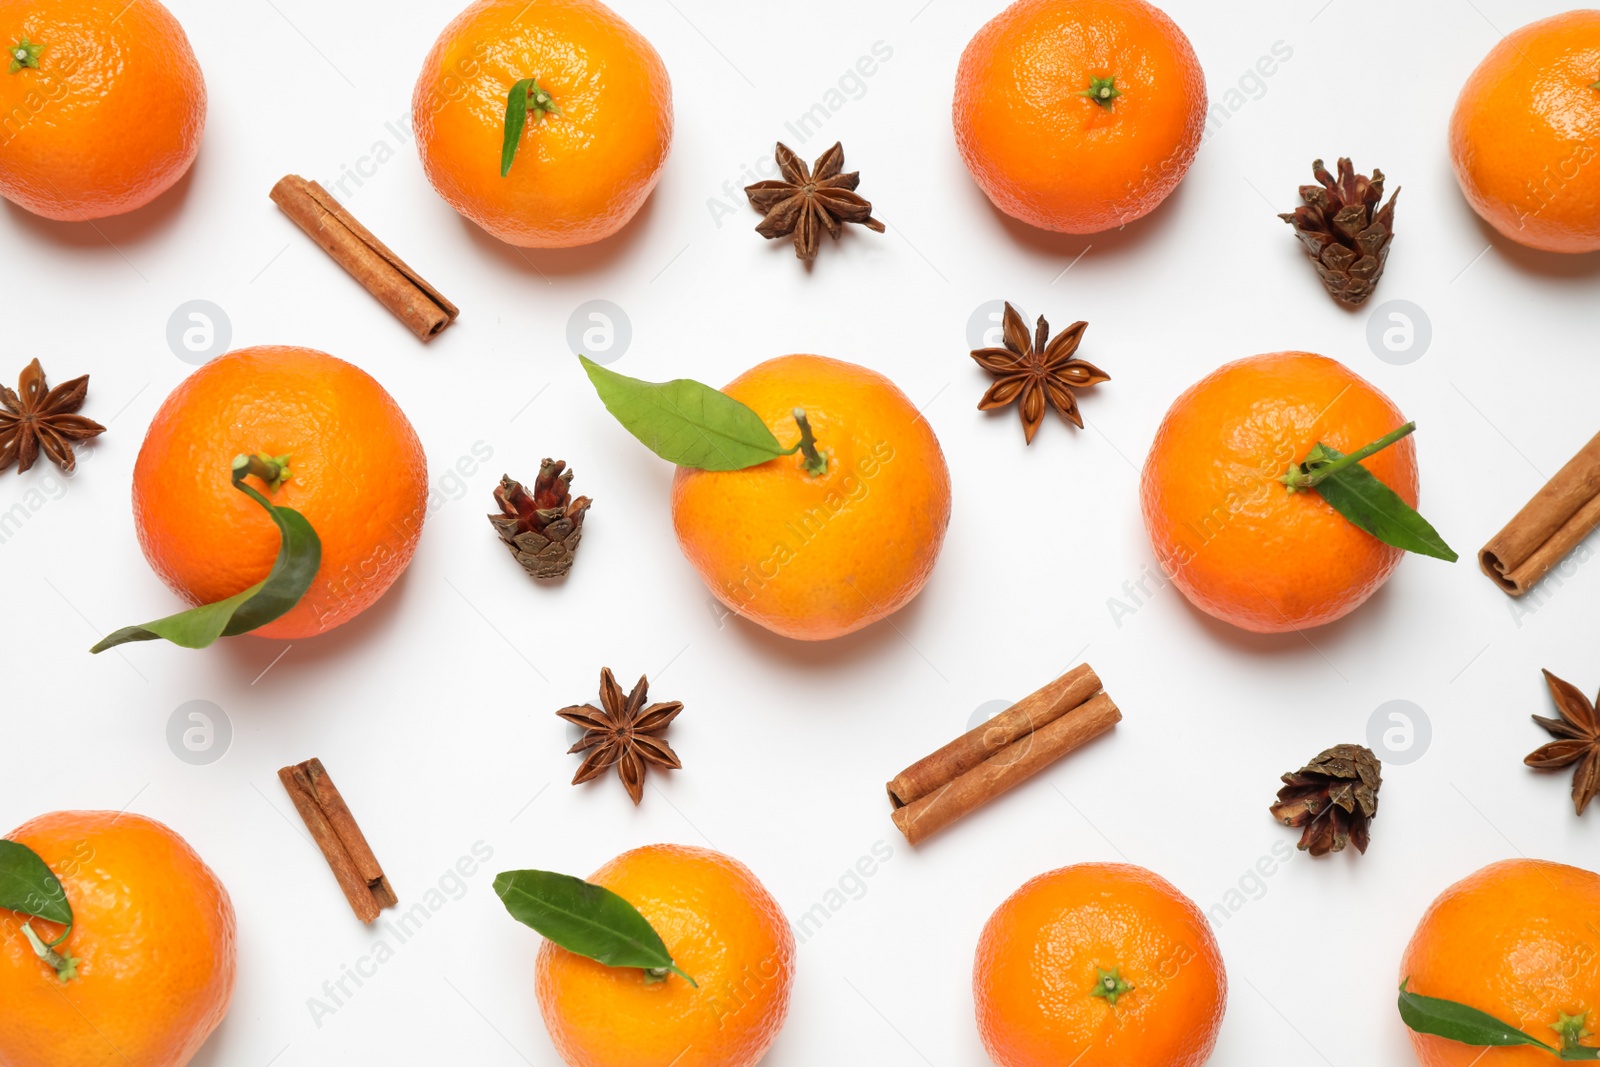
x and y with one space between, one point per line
1344 231
1334 797
541 528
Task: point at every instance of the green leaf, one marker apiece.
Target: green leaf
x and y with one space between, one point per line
524 96
685 422
1358 495
29 886
587 919
1469 1026
516 121
1457 1022
299 557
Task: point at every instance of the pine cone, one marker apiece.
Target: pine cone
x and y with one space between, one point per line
1344 231
543 528
1334 797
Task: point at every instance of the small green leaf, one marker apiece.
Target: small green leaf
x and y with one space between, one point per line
685 422
1358 495
299 557
28 885
587 919
524 95
1457 1022
516 120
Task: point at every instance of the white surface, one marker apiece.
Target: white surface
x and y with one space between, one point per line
434 710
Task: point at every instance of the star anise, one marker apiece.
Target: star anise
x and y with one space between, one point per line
1036 372
38 419
623 732
808 201
1577 741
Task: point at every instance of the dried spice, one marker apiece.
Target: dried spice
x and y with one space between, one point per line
996 756
1577 741
810 200
38 419
1036 370
1564 511
1344 231
542 528
402 291
623 732
323 809
1334 797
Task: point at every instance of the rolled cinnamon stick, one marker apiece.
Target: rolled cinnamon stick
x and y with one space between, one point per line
1009 767
1037 709
343 845
423 309
1559 516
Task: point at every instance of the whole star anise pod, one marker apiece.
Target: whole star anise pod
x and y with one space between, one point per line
1334 797
542 528
809 201
1344 231
623 732
1033 372
1577 741
38 419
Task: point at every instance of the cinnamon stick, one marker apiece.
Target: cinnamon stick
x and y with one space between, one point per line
1559 516
957 780
334 829
409 297
1037 709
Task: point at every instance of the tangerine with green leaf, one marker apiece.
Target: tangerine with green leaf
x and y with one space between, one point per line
343 455
102 103
1079 115
545 123
152 945
722 929
839 531
1226 528
1519 941
1098 965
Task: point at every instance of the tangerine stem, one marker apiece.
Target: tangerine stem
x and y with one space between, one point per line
1301 476
815 461
272 470
1109 985
25 54
64 964
1572 1029
540 102
1102 91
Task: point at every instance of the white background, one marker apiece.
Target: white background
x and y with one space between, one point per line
434 711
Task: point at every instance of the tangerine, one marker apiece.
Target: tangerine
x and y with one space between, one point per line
722 928
154 939
101 105
816 557
1079 115
1098 965
1523 131
598 128
356 472
1238 544
1517 940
